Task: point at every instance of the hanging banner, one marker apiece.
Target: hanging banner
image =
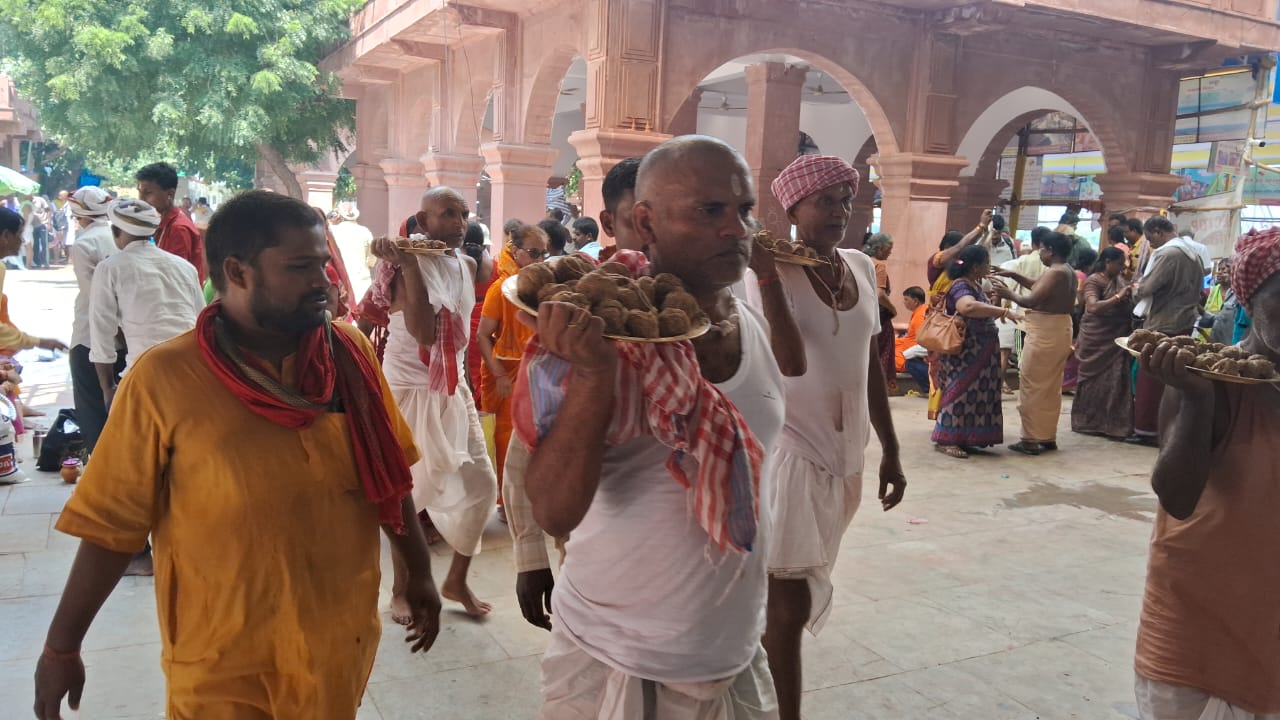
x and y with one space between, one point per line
1212 220
1227 157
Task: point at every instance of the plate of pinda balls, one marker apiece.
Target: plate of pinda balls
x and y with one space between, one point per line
420 245
646 309
791 253
1224 363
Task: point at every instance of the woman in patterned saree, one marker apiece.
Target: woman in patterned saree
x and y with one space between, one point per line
970 415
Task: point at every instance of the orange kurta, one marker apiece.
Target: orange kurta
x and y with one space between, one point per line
266 549
508 346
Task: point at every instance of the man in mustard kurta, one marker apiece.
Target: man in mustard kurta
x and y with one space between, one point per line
261 452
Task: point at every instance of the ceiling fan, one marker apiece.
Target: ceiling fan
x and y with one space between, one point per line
819 91
724 105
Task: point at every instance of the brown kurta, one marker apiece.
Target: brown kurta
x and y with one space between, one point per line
1104 398
1210 614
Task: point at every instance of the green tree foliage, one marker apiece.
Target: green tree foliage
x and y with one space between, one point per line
209 84
344 187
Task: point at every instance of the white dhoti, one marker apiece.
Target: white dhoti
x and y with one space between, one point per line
576 686
454 481
1162 701
812 510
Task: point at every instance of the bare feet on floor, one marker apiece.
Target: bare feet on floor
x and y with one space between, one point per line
461 593
400 613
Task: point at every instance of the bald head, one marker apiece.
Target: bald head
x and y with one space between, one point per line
671 164
443 194
443 215
694 199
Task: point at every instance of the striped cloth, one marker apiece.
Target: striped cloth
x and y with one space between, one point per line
441 356
1257 259
808 174
557 199
660 391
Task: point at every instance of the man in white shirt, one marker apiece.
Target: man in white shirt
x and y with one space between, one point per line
353 240
1031 267
201 213
148 294
659 608
94 244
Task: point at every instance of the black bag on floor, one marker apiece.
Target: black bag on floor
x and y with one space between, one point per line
64 440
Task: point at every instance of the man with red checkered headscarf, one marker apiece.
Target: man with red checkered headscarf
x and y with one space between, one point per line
1207 642
816 466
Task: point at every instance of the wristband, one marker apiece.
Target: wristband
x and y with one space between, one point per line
51 654
770 280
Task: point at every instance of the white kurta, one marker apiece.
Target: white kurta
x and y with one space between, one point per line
151 295
454 481
353 242
95 245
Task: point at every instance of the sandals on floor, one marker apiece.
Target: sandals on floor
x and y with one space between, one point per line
951 451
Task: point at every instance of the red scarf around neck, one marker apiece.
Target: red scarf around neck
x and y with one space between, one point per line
323 367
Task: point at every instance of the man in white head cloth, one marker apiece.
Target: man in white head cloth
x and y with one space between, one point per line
93 245
354 242
148 294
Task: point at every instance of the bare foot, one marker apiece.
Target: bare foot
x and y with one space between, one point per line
141 565
32 412
400 612
474 606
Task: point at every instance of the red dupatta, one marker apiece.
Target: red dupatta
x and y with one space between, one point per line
333 373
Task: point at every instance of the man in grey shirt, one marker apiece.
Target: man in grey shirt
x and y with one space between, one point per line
1169 296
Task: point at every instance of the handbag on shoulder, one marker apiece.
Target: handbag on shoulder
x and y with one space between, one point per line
940 332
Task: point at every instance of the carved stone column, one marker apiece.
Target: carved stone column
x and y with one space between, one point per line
773 134
406 181
916 191
460 172
599 151
518 183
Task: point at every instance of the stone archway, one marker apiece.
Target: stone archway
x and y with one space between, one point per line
990 132
1032 101
544 93
881 129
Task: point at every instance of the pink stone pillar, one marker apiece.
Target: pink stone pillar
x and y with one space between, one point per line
317 187
972 197
1125 192
864 206
371 196
458 171
915 193
773 134
518 183
599 151
406 182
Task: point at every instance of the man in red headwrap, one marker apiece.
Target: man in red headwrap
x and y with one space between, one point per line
262 452
838 396
1207 642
